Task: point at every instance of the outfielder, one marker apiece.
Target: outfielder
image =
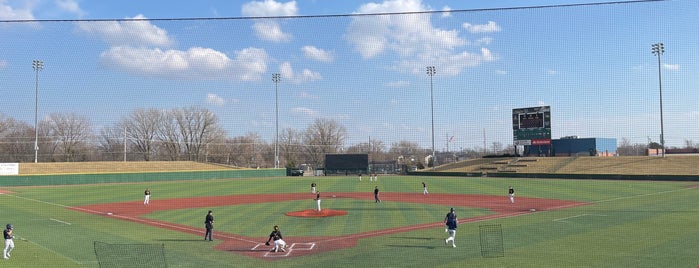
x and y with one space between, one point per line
279 243
9 243
313 187
424 188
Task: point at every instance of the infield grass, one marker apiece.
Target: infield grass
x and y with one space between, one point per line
626 224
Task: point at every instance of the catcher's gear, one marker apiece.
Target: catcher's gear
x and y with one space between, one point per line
267 243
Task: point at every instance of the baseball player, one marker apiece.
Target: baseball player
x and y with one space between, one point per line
209 224
279 243
451 221
424 188
376 195
317 199
9 243
511 193
360 176
313 187
146 200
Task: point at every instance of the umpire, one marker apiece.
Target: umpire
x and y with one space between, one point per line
209 224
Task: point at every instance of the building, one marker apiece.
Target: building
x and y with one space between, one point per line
574 146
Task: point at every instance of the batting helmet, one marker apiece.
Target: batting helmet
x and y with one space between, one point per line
9 226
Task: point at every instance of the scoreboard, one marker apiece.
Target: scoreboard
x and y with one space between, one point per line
532 126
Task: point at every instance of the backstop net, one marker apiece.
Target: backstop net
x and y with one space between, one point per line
130 255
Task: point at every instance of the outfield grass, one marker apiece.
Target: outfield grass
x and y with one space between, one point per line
626 224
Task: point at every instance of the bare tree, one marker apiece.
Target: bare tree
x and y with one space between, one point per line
245 150
322 137
71 135
142 126
290 147
198 127
170 137
111 143
626 148
405 149
16 140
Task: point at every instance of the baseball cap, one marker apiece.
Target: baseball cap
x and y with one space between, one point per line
9 226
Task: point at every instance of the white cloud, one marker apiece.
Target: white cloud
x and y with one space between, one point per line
70 6
446 12
412 37
484 41
317 54
214 99
502 72
447 63
8 12
287 73
269 8
305 111
267 29
398 84
137 32
196 62
491 27
3 64
270 30
672 67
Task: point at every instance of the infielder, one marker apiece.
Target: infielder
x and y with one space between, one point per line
146 199
9 243
313 187
511 193
279 243
376 195
424 188
451 221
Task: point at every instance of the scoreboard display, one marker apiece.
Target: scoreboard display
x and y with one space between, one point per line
532 126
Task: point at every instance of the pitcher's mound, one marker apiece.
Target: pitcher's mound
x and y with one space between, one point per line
315 213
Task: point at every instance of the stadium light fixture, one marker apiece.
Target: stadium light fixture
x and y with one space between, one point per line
658 49
38 66
431 71
276 78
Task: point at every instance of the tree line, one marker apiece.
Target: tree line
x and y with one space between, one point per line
192 133
195 134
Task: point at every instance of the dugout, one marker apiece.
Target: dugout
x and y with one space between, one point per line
345 164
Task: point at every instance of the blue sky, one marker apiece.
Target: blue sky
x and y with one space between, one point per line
592 64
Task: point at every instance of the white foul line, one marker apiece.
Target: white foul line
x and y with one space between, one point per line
64 222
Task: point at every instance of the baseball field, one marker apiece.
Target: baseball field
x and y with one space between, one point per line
553 222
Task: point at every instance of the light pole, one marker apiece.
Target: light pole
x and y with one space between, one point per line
38 66
431 71
276 78
658 49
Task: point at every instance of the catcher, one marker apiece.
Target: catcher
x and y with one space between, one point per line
279 243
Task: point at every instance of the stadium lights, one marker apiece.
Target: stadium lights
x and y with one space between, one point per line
276 78
38 66
431 71
658 49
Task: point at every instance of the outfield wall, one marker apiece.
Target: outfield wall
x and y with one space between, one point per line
561 176
69 179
